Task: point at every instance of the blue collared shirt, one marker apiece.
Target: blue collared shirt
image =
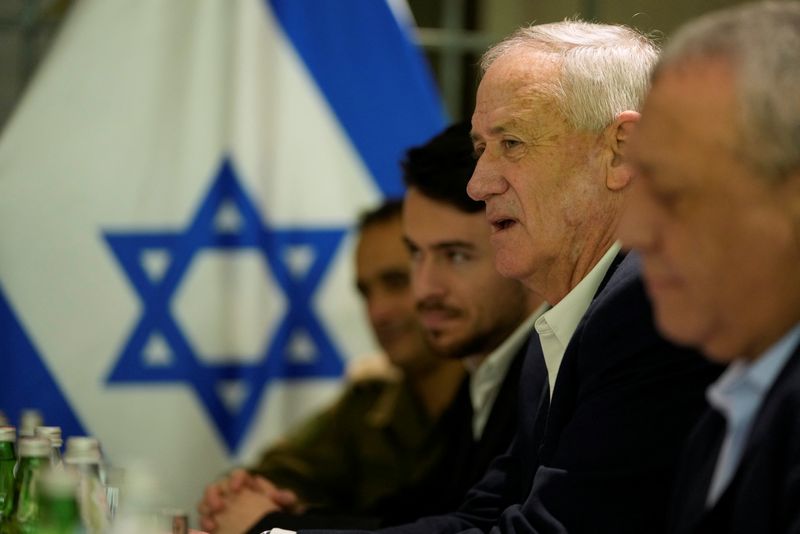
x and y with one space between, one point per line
738 394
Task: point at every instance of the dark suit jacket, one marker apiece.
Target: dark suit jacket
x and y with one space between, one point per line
444 489
764 494
467 460
600 456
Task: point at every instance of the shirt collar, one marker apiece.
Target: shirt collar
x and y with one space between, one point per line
486 378
561 321
506 350
744 379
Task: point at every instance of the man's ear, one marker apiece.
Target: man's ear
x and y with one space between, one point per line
619 172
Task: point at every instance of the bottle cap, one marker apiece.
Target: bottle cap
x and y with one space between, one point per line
8 433
34 447
53 433
29 420
82 450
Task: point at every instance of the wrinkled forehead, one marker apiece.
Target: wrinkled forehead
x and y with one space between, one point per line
522 85
523 71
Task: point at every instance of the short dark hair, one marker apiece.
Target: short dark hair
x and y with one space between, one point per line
441 168
388 210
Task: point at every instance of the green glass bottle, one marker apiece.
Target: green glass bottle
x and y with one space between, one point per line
59 512
8 459
34 456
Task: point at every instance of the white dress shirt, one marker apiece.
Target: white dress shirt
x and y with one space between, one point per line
556 326
486 378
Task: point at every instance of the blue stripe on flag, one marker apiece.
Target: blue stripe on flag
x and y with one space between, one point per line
375 80
26 381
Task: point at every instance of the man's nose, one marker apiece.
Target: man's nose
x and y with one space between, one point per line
487 179
381 310
427 280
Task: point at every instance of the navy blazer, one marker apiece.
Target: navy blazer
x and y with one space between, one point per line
764 493
600 456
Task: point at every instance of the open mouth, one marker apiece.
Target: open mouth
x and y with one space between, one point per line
503 224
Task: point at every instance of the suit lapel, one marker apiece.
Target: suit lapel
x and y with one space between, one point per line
700 460
533 391
787 378
556 410
502 421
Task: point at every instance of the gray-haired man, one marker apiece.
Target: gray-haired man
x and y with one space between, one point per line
716 217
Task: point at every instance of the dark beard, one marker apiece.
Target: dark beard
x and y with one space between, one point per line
482 343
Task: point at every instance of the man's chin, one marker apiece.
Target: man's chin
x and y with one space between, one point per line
507 263
678 326
444 346
458 349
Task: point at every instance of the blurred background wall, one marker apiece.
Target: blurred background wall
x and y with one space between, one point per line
452 32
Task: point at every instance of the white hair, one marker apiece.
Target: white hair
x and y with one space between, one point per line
761 42
605 69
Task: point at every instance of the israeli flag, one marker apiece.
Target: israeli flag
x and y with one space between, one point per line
178 189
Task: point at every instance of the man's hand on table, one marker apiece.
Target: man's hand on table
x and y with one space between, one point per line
233 504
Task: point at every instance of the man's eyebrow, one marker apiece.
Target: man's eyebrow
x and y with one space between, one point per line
495 130
393 272
453 244
409 243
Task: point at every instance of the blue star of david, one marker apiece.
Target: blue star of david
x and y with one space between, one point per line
155 292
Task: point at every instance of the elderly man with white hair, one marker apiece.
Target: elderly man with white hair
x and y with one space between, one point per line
605 402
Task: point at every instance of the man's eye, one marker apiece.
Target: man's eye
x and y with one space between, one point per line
397 281
477 150
510 143
457 257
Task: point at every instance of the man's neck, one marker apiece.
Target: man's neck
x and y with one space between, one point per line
566 277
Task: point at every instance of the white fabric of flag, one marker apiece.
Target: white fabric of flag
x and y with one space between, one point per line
178 188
